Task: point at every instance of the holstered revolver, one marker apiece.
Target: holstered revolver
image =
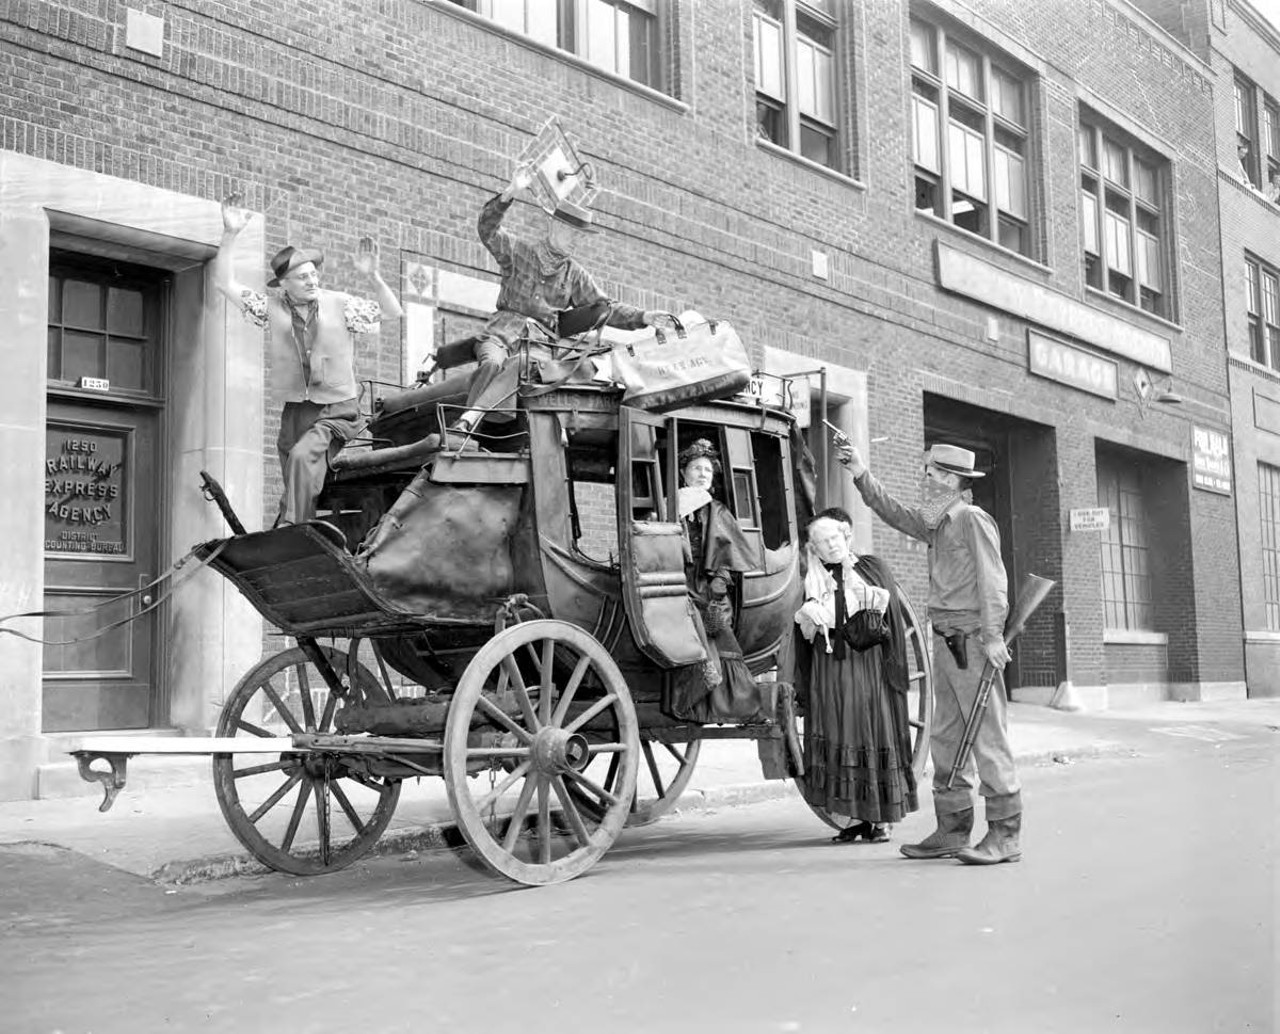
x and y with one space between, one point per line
956 644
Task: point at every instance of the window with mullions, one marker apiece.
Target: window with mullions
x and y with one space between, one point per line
1262 299
620 36
104 324
795 75
1271 144
970 137
1246 130
1269 498
1126 568
1122 212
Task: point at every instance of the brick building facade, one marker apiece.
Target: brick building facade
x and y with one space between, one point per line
1243 50
992 225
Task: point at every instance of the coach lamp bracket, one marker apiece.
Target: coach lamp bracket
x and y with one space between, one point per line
112 782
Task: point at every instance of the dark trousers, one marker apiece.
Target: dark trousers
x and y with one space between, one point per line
311 434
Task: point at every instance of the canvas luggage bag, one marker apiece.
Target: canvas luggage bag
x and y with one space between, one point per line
702 360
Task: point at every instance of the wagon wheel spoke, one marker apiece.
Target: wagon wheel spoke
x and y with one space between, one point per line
304 694
344 802
570 688
326 718
591 712
521 692
544 821
502 718
571 812
270 766
278 704
516 774
647 747
322 818
274 799
546 687
516 822
256 730
304 795
600 792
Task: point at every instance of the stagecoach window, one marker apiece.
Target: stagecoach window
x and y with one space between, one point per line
774 503
593 498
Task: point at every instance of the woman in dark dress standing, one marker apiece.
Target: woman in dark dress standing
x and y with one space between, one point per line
857 747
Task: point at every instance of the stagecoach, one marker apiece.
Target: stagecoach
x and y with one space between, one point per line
508 620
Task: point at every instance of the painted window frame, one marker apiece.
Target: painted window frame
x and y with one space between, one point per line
794 107
1262 311
568 25
1269 539
1127 580
1125 217
971 135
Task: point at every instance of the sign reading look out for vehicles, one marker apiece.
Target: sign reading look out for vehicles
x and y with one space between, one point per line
1211 460
1094 518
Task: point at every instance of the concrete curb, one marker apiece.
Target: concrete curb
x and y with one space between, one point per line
445 835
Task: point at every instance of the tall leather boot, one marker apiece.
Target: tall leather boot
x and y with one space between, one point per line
948 840
999 845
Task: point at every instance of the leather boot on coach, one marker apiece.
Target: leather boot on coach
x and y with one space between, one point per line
999 845
948 840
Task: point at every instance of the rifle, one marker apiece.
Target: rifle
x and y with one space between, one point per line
1032 593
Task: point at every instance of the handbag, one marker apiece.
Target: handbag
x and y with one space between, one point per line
705 359
865 629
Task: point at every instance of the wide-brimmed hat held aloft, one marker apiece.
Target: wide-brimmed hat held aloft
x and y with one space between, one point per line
289 258
575 215
953 460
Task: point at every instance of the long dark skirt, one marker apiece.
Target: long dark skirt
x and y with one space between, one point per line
857 742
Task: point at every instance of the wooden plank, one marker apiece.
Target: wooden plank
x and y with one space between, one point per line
181 745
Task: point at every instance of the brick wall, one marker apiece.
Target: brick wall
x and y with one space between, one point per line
399 118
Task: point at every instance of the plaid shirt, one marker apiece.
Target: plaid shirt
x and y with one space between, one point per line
537 283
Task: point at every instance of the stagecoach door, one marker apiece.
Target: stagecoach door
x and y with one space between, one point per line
651 542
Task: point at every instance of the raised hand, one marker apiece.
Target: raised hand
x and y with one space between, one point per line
366 256
521 179
847 455
234 216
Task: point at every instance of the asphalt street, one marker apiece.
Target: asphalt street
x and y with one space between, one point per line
1146 902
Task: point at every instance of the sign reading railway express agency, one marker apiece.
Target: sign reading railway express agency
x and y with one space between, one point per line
84 472
1211 460
1072 366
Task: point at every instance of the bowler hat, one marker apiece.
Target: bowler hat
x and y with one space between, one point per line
575 215
289 258
953 460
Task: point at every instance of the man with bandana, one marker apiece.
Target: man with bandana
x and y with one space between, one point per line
542 282
968 603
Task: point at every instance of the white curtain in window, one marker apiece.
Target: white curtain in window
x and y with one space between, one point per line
608 37
925 123
1270 298
1089 214
1011 188
813 74
1118 257
1251 287
964 71
1006 96
769 66
1149 261
1115 165
967 152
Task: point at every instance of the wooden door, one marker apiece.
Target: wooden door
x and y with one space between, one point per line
102 491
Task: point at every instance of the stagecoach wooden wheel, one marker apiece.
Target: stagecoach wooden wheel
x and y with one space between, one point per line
920 703
547 700
301 813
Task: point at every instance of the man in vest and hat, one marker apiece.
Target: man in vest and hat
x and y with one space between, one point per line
311 339
541 281
968 604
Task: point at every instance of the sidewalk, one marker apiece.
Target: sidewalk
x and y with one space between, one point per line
178 834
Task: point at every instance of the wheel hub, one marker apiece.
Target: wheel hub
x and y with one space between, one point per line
555 751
